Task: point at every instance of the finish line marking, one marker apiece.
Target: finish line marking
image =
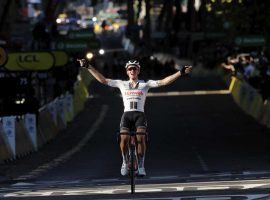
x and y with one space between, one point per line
85 190
188 93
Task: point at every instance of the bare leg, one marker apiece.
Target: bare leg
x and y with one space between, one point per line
124 139
141 148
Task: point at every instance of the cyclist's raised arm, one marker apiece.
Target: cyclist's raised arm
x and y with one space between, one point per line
100 78
169 79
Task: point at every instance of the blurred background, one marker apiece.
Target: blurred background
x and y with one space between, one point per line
207 32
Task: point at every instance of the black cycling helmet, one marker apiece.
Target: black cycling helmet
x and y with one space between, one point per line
133 62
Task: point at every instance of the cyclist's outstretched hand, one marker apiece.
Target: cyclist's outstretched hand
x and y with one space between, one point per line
82 62
186 69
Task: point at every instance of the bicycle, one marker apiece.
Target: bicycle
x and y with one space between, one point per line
132 158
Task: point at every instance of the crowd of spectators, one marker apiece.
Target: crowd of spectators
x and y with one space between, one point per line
253 67
26 92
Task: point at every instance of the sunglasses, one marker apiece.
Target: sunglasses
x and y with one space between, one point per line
132 68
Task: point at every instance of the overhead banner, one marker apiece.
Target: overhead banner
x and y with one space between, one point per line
30 125
78 45
9 130
250 40
3 56
61 58
81 34
30 61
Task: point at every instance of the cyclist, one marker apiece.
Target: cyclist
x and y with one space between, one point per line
134 94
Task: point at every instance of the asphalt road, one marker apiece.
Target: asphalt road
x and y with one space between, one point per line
201 147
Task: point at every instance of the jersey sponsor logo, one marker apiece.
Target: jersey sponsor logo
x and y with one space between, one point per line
134 93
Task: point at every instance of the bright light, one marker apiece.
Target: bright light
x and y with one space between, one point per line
58 21
94 19
20 101
208 7
197 4
101 51
89 55
152 57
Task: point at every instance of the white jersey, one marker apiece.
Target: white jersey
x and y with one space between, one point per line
133 98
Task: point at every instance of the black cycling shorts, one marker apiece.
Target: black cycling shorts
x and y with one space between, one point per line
131 120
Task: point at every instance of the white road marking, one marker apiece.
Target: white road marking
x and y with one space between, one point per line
141 188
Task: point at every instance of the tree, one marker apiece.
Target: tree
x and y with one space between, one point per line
130 16
147 27
177 17
191 16
165 17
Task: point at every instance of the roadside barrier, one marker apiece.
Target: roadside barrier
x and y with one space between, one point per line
265 117
69 114
46 125
80 96
61 112
9 134
25 134
5 151
250 100
86 76
23 142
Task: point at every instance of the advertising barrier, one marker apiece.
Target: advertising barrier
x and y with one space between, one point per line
250 100
30 61
10 133
61 58
20 136
69 114
53 110
80 96
23 141
86 76
5 151
61 112
46 125
31 129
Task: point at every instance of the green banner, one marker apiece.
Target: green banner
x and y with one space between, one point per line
30 61
249 41
61 58
81 34
78 45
